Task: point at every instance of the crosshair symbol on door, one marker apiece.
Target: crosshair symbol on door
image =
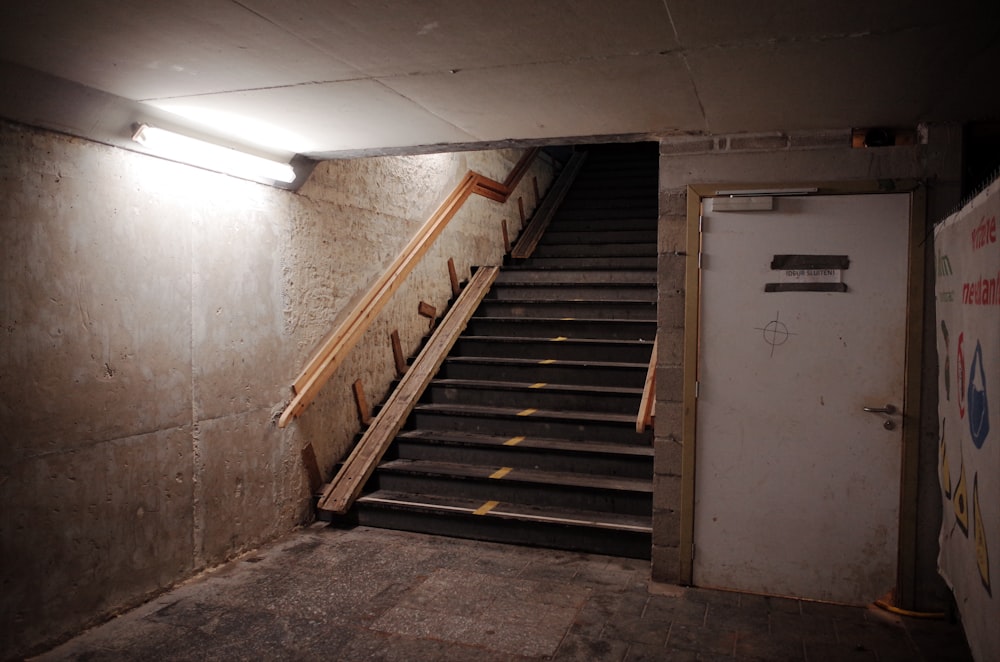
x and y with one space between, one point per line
775 332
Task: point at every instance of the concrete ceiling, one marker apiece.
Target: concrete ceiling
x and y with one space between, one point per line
328 78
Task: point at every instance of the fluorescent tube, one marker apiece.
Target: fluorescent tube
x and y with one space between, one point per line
192 151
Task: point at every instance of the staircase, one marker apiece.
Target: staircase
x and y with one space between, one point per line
527 433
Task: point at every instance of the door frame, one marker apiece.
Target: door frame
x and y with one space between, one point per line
912 372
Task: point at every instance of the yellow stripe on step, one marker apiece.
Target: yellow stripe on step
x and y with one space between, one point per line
547 362
526 412
539 385
513 441
486 507
568 319
501 472
559 339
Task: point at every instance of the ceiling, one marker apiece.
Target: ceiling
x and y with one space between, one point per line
332 78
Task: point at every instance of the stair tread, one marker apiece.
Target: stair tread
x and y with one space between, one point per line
528 442
532 264
536 414
634 284
597 519
560 340
519 475
598 320
529 386
499 360
592 302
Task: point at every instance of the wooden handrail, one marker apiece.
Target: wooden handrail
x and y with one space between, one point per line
340 493
331 354
648 403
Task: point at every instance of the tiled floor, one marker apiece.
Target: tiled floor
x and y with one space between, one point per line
369 594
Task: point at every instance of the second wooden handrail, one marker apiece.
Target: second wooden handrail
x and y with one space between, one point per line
648 403
332 353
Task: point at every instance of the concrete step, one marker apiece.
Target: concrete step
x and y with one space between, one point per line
648 223
564 349
595 250
637 262
546 489
513 523
610 199
527 291
528 452
548 371
540 395
559 424
650 210
519 273
573 236
562 328
620 309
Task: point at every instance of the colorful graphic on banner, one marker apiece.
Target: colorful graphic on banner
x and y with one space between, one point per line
967 253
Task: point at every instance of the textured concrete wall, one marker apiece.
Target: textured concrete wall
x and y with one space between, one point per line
780 158
152 317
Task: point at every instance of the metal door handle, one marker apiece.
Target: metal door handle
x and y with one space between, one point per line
888 409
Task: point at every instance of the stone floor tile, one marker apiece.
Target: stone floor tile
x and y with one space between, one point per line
637 630
575 648
708 596
605 576
741 618
676 611
834 652
802 627
770 603
708 639
589 621
759 646
638 652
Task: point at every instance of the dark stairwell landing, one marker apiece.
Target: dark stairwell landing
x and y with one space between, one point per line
527 433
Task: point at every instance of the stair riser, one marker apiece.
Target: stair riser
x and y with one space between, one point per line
635 224
595 329
639 262
591 213
594 541
629 377
538 494
553 237
607 250
609 310
626 466
547 349
530 426
522 274
617 203
571 292
613 176
539 398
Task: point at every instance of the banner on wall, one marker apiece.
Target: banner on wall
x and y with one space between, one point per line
967 256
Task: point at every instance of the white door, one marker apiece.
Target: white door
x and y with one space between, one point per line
797 486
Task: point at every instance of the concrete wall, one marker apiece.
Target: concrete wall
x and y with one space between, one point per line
781 158
152 318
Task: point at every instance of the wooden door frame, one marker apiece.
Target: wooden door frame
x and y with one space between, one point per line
912 372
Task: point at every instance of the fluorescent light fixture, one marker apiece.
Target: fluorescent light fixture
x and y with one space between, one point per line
768 191
178 147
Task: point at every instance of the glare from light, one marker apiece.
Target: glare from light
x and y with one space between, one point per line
185 149
239 127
